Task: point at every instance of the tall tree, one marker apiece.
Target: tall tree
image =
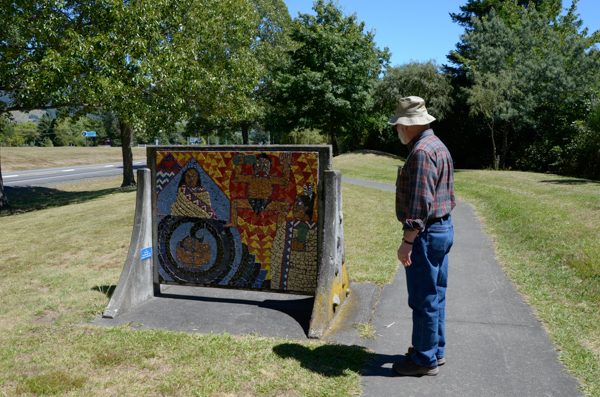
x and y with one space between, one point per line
481 8
148 63
505 9
269 47
423 79
329 81
527 73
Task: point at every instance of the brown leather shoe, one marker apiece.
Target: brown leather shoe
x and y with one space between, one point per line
410 368
411 351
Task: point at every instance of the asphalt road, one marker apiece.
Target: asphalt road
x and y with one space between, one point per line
50 176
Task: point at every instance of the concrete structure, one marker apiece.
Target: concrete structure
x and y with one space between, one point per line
136 282
265 218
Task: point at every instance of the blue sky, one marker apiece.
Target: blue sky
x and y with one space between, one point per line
421 30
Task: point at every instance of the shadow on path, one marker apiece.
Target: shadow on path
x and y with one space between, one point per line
300 310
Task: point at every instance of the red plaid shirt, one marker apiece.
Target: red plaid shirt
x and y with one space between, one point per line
425 184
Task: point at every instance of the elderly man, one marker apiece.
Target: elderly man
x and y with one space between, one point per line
424 200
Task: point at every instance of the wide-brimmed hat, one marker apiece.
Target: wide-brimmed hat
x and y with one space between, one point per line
411 111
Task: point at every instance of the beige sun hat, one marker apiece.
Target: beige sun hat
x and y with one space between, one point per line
411 111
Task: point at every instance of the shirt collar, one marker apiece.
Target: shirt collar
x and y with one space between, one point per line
428 132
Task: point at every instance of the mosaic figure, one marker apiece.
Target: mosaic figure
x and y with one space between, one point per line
192 199
193 252
260 186
238 219
304 204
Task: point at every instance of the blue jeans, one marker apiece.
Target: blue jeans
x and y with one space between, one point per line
427 280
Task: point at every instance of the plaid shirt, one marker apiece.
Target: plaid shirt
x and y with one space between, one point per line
425 185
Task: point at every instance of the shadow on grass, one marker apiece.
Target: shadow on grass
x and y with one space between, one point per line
24 199
377 153
107 290
573 182
327 360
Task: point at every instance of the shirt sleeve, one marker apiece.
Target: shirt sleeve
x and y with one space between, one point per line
422 175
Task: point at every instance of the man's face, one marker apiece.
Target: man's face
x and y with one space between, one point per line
401 135
262 167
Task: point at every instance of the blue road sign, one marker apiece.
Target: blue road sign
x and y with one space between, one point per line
88 133
146 253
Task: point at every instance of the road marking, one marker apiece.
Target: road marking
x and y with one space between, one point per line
68 170
10 176
55 177
106 166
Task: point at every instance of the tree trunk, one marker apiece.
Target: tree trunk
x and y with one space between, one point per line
126 142
354 139
333 140
245 139
3 200
504 146
494 160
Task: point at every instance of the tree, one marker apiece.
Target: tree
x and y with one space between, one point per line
505 9
329 81
269 47
423 79
147 63
481 8
4 205
527 73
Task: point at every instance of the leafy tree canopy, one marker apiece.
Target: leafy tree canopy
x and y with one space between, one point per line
327 84
529 72
481 8
423 79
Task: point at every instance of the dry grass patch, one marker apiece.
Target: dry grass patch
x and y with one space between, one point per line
31 158
65 260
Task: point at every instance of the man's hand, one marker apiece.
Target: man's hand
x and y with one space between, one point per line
285 159
404 254
238 159
406 249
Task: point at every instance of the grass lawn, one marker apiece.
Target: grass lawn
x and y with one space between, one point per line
57 263
546 230
29 158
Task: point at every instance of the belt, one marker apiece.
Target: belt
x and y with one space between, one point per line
436 220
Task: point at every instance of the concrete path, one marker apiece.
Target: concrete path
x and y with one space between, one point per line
496 346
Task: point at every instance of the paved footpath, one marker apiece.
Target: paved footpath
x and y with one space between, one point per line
496 346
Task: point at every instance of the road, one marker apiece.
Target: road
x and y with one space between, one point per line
49 176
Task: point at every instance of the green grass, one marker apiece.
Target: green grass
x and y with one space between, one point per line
546 230
372 234
369 165
547 234
58 266
29 158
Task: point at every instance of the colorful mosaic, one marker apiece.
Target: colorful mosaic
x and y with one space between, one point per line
238 219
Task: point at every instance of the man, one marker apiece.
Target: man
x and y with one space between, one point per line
424 200
260 187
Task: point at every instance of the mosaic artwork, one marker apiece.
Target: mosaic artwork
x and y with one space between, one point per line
238 219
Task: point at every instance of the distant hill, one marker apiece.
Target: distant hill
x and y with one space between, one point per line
32 116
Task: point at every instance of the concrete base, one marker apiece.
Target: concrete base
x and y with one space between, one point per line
332 282
136 282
